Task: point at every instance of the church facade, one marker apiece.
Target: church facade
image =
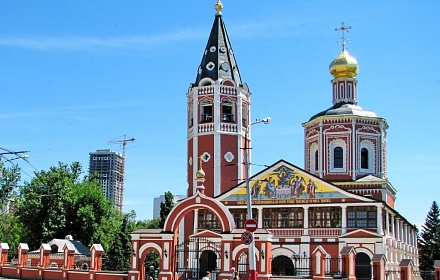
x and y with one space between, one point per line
340 201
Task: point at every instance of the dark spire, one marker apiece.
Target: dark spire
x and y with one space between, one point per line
218 62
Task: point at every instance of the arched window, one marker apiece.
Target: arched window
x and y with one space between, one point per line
338 157
364 158
341 91
316 160
313 159
350 91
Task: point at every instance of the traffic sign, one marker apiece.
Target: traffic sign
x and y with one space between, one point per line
247 237
251 225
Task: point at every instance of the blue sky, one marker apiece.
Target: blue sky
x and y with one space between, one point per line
76 74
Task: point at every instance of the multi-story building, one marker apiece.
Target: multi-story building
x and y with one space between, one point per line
109 166
161 199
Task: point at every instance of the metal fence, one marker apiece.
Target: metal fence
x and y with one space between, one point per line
12 258
294 266
425 275
335 267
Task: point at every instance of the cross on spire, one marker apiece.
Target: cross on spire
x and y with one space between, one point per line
343 29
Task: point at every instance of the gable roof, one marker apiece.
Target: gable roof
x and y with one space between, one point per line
79 247
285 183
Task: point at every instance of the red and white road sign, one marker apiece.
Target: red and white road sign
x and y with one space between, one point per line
251 225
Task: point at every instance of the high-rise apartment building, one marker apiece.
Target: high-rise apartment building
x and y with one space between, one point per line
110 168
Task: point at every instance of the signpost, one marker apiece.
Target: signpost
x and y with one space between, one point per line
251 225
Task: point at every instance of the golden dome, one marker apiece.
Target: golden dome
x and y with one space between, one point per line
344 66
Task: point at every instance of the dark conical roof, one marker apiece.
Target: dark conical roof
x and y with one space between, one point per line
218 62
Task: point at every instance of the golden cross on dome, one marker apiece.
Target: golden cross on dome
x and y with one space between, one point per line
200 162
343 29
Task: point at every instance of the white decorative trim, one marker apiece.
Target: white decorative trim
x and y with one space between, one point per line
206 157
332 146
229 156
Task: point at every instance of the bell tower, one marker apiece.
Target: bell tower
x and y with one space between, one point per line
218 115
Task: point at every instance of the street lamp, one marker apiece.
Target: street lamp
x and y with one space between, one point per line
252 263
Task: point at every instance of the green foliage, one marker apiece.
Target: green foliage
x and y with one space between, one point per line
165 208
10 230
429 239
118 256
9 178
57 203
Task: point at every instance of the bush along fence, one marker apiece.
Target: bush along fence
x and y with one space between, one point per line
22 264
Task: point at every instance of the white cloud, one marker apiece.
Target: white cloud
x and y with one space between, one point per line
75 43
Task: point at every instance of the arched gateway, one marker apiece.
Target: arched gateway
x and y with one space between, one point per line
188 257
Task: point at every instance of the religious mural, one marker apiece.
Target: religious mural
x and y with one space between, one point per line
288 185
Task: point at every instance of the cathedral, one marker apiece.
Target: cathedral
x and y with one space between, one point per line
339 202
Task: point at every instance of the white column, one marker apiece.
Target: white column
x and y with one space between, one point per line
344 219
379 220
320 152
306 220
405 234
387 222
354 146
398 228
196 220
260 217
393 227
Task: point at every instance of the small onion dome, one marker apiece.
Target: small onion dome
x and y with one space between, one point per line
200 174
344 66
218 7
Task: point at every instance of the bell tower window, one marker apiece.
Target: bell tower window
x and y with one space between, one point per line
190 116
206 110
228 111
245 115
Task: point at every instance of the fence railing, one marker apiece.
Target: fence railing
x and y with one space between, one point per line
335 267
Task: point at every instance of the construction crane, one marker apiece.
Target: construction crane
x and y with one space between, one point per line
123 142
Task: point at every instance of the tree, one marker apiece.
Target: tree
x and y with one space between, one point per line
10 228
58 202
429 239
9 178
165 208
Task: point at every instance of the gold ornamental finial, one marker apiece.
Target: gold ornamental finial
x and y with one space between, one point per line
200 175
344 40
218 7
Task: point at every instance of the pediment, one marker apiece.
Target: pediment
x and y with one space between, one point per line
360 233
207 234
285 183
